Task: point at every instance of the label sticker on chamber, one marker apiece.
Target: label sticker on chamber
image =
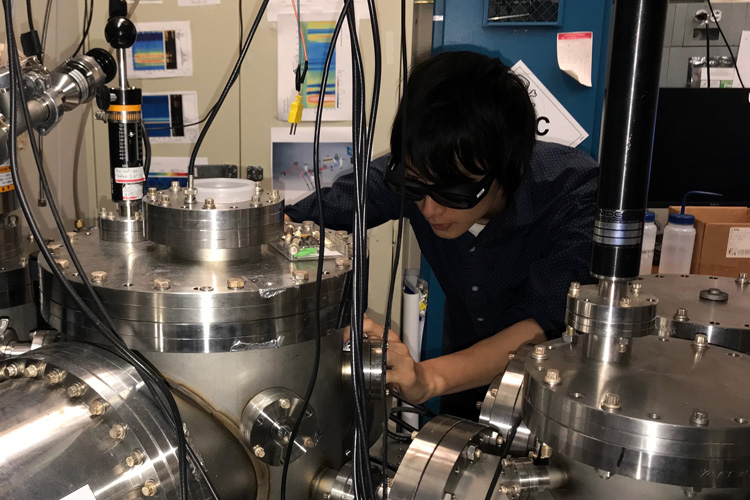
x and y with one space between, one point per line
84 493
6 180
129 175
132 191
738 244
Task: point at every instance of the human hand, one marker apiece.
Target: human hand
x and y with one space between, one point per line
287 218
403 375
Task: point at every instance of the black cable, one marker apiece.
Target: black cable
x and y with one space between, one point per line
146 151
29 16
45 27
319 274
729 48
149 376
187 124
708 56
406 425
232 78
87 24
421 408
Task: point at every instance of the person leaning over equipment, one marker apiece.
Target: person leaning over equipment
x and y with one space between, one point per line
504 221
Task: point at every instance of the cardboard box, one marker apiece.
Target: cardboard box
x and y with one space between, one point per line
722 240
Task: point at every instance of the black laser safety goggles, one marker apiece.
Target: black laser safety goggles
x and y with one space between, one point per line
459 196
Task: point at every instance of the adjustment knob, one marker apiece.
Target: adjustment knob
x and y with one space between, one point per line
120 33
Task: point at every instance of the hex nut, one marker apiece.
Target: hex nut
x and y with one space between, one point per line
76 390
301 276
134 459
99 276
259 451
209 203
98 407
162 284
235 283
118 432
149 488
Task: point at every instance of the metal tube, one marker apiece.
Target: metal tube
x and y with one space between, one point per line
625 157
122 71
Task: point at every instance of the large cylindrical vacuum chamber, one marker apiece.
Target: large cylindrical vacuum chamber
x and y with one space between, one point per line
230 322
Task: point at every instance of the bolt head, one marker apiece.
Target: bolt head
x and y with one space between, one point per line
76 390
209 203
235 283
700 341
98 407
162 284
285 403
151 193
63 264
699 417
300 276
99 276
500 440
72 236
611 401
149 488
259 451
308 442
54 377
681 314
31 371
134 459
539 353
10 370
552 377
743 279
118 432
175 186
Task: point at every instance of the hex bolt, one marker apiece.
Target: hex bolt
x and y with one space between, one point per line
134 459
308 442
539 353
54 377
681 314
545 452
175 186
149 488
162 284
699 417
259 451
76 390
165 200
99 276
151 194
473 453
285 403
98 407
118 432
342 262
72 236
636 288
10 370
235 283
209 203
31 371
552 377
611 401
700 341
63 264
575 289
626 301
743 279
275 195
300 276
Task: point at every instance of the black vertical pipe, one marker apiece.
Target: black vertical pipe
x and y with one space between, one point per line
627 137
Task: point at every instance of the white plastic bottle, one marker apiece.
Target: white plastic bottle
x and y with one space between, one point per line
677 245
649 242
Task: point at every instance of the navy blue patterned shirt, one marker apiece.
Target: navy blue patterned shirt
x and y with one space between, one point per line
518 267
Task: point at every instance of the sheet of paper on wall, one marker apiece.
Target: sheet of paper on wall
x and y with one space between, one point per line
743 60
721 78
574 53
318 32
277 7
161 50
165 169
554 122
168 117
292 159
195 3
141 2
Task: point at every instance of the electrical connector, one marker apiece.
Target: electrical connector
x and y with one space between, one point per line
295 114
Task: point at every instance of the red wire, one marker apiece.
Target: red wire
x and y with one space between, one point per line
302 37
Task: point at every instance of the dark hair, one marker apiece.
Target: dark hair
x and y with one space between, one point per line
466 114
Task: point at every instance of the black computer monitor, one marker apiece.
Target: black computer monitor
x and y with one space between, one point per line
701 142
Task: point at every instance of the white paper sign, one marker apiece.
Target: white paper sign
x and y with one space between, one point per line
161 50
194 3
738 245
553 123
84 493
743 60
574 54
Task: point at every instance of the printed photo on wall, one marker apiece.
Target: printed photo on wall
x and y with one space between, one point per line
161 50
